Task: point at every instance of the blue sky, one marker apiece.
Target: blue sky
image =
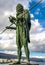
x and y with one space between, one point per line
38 12
37 33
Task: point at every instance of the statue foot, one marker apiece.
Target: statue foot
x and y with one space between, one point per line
28 63
18 62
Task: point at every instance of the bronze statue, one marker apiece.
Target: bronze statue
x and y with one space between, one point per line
23 25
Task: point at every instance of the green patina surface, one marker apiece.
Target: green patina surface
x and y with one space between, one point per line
23 26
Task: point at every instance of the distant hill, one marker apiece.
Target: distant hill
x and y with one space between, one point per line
9 56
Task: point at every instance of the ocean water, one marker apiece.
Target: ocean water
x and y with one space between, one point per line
40 63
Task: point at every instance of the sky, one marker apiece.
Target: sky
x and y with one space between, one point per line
37 32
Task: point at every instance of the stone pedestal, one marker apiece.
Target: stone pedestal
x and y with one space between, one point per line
23 64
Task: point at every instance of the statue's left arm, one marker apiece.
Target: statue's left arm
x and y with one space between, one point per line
12 19
27 19
27 23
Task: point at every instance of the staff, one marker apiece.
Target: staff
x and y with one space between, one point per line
20 16
5 29
30 8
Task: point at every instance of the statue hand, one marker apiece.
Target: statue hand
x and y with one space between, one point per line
12 19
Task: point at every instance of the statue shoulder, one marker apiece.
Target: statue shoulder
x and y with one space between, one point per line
26 15
26 11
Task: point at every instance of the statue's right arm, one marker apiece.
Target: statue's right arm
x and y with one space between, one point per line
8 27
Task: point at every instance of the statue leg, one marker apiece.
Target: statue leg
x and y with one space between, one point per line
19 54
18 46
25 44
19 51
26 51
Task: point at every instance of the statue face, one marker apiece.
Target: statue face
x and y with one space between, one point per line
19 9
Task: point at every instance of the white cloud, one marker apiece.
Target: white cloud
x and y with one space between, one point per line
8 41
37 57
10 52
36 36
9 8
32 16
8 13
43 1
36 27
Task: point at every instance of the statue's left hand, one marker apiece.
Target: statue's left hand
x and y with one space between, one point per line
12 19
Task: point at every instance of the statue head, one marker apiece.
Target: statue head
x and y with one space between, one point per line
19 8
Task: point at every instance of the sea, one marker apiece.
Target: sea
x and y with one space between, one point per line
40 63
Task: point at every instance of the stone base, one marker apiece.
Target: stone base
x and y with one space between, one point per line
23 64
